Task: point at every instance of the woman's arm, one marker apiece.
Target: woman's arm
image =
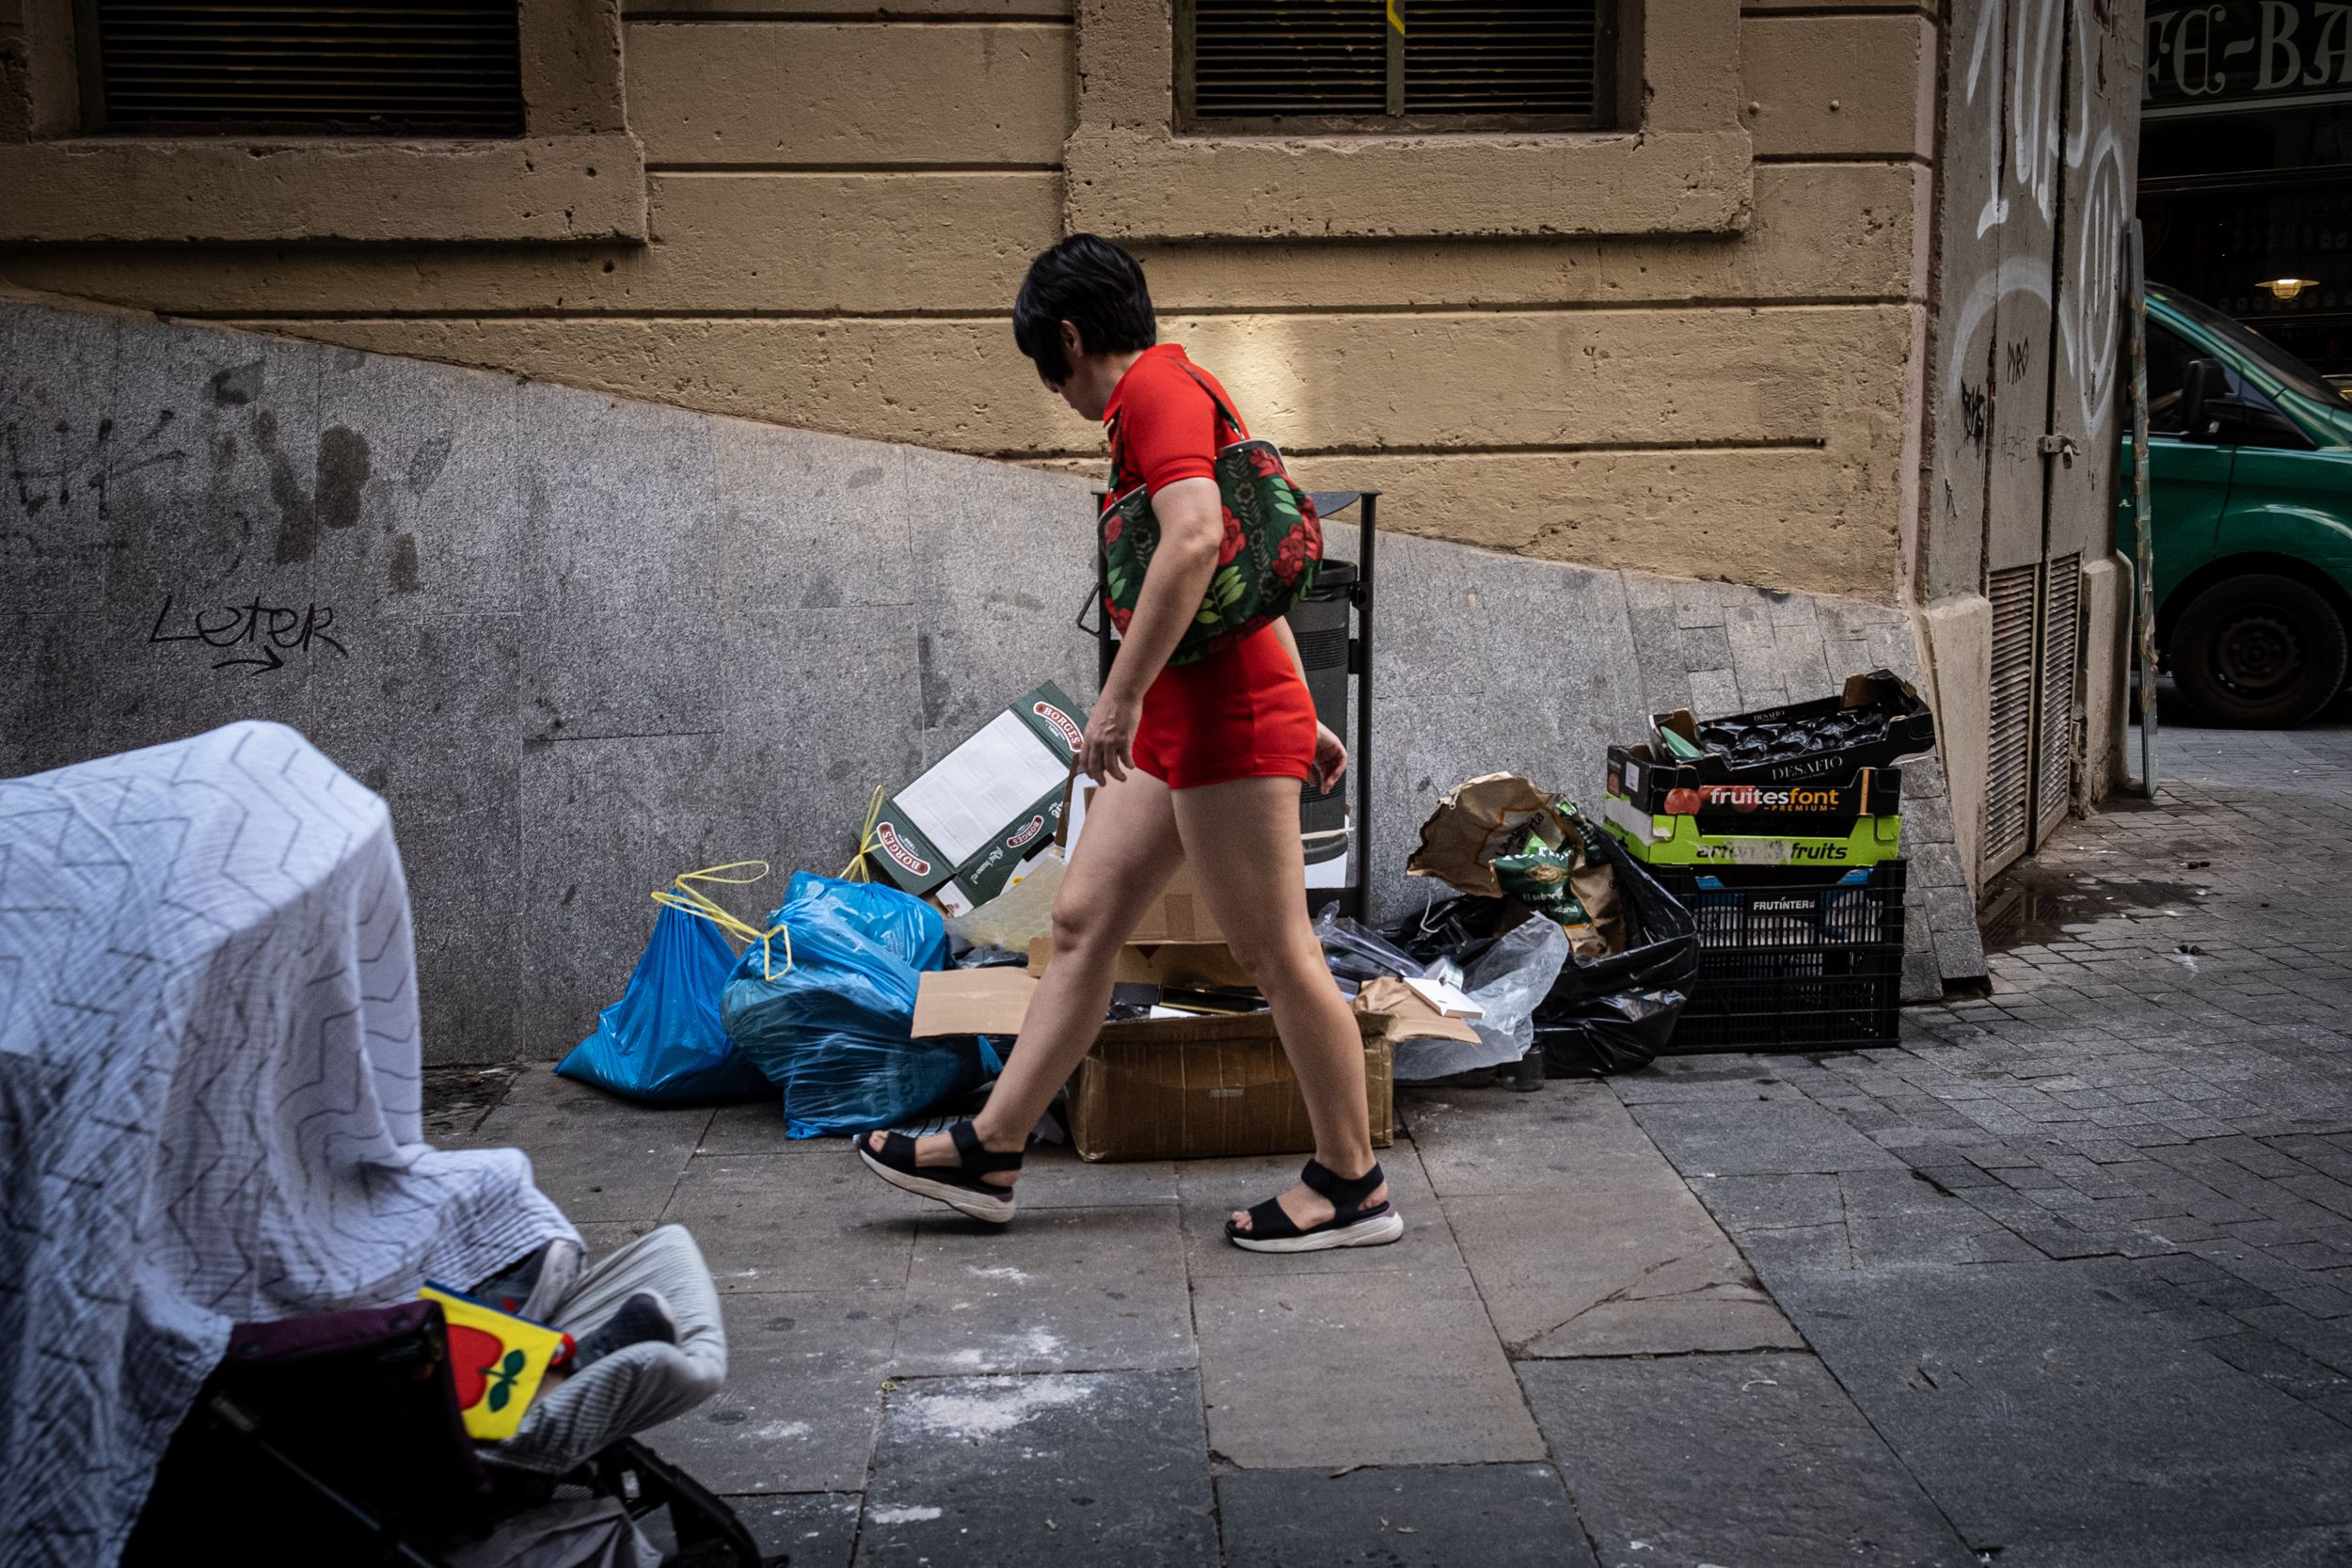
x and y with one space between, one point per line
1192 531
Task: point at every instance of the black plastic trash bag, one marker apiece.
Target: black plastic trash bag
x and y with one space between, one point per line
1604 1015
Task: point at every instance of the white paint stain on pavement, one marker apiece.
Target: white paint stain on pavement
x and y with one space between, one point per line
900 1516
974 1414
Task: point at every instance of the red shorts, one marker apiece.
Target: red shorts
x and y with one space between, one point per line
1242 713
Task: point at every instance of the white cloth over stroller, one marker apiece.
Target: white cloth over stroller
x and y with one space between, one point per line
209 1113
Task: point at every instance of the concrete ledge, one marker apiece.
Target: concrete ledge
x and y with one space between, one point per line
532 188
1675 160
1138 184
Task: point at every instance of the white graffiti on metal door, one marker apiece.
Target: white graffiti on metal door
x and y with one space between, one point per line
2014 91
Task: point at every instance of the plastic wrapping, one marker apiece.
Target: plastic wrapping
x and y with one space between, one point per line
1356 952
1020 914
831 1028
1603 1015
1509 981
662 1042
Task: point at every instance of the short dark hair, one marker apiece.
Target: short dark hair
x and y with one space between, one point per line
1090 282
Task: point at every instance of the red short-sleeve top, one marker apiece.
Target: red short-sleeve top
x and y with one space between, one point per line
1163 423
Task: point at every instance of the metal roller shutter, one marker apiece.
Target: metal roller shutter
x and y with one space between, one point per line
2010 760
437 68
1368 64
2054 718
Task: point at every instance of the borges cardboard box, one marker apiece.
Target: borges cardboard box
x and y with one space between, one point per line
1177 1087
958 832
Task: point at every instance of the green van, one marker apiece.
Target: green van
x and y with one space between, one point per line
2249 468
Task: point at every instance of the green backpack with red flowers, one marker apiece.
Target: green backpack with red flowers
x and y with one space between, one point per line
1273 544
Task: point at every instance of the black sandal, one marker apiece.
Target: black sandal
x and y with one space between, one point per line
958 1185
1272 1229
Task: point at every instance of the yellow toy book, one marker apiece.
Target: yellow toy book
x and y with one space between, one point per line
499 1360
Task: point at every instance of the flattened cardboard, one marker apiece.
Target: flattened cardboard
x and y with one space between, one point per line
1178 915
1028 750
972 1002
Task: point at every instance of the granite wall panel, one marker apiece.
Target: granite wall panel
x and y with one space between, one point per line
583 643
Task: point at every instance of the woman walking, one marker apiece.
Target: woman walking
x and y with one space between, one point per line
1199 762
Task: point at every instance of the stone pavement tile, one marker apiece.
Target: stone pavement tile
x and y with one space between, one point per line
1084 1468
816 1529
1562 1137
1640 1272
757 1126
803 1395
1742 1203
1056 1178
1674 1079
2310 1547
598 1158
1212 1189
537 1084
1410 1516
601 1237
1785 1135
767 1223
1366 1369
2028 1404
1760 1461
1057 1290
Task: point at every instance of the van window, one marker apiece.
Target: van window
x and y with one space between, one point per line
2291 372
2168 377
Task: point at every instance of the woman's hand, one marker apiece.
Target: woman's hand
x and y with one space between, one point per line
1330 759
1108 749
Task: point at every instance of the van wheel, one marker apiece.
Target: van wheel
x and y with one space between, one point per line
2261 651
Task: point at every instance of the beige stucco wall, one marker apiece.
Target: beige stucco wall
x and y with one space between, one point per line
1688 349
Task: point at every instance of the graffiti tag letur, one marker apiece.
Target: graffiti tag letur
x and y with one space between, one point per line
261 634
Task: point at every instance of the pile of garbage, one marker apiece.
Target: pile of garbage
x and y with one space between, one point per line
888 993
1523 859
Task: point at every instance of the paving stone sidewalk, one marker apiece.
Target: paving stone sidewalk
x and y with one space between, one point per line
2065 1280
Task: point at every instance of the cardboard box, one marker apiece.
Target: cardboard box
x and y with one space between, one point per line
977 813
1178 1088
1822 808
1675 840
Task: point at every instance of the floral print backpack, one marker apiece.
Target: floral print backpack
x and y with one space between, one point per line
1273 544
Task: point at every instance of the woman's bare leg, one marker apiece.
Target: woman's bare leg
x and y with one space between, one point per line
1242 842
1121 863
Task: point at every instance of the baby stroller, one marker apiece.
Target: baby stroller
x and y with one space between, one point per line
337 1438
220 1208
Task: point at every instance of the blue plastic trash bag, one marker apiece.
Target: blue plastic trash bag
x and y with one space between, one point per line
905 925
831 1026
662 1042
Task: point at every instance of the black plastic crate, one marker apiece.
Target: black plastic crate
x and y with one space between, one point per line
1793 960
1895 723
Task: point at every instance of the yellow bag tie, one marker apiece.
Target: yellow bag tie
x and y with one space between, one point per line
866 842
679 895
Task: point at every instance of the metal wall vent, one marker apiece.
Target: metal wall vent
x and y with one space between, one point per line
2008 769
2060 637
1452 64
432 68
1501 57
